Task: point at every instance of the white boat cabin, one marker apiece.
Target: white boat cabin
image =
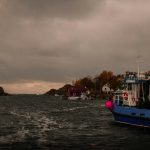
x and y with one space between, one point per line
135 92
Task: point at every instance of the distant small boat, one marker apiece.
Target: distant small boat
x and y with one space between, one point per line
73 97
131 105
77 92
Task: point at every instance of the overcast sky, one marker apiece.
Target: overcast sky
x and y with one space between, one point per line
47 43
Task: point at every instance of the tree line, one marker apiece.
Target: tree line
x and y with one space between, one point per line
92 84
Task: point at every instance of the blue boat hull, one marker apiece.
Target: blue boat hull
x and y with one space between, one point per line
136 121
131 116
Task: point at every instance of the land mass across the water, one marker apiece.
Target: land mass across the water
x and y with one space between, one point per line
98 86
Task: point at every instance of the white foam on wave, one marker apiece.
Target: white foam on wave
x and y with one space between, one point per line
36 125
74 108
102 105
19 136
25 115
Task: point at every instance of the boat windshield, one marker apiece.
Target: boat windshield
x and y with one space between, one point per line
118 99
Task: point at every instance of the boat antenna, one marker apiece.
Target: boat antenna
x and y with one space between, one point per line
138 61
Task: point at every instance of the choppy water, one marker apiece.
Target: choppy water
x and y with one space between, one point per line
43 122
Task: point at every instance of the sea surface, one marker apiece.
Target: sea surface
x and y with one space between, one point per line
45 122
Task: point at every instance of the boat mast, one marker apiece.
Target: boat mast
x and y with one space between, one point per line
139 61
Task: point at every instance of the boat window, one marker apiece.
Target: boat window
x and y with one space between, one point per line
129 87
120 98
117 97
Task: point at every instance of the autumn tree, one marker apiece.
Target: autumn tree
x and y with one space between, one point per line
65 88
51 92
85 82
93 84
102 79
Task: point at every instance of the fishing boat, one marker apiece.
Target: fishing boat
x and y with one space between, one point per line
131 104
76 93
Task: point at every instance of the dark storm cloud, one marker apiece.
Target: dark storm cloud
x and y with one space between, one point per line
61 40
50 8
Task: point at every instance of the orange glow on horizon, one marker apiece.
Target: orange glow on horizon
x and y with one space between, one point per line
31 87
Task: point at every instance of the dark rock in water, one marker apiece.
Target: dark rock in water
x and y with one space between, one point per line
2 92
